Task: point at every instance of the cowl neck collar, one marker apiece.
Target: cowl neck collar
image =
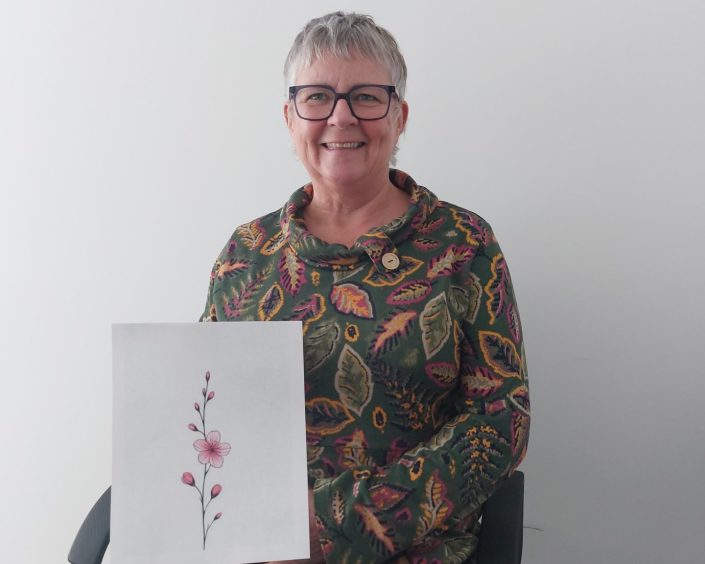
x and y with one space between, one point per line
373 245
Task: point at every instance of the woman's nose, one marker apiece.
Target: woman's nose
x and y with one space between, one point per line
342 115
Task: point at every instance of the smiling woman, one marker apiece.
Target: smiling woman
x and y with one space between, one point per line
417 402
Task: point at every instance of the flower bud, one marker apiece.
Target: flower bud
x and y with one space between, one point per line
208 376
203 391
187 478
215 490
197 407
211 395
192 427
217 516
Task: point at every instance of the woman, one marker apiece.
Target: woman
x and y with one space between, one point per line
416 391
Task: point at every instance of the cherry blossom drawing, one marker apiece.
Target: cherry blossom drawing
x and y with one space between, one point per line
211 451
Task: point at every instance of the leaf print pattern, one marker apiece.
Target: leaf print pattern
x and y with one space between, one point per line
435 325
475 232
270 304
379 535
293 271
496 288
452 260
387 497
442 373
241 298
319 344
424 244
251 234
353 381
326 417
231 268
351 299
436 506
481 382
409 293
337 508
414 378
274 243
475 290
308 311
500 354
390 332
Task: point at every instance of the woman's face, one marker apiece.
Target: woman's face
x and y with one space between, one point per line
368 159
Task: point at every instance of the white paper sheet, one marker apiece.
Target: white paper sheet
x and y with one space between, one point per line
256 407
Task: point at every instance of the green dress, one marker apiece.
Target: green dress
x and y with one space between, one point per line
417 403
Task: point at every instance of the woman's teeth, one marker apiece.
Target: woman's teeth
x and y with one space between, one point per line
352 145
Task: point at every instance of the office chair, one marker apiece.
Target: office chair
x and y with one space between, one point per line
501 533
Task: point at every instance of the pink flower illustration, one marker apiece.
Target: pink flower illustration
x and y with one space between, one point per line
211 450
187 478
215 490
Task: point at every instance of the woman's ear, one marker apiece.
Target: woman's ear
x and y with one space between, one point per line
403 116
287 116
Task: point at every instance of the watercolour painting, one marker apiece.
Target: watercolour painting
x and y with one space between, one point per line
209 443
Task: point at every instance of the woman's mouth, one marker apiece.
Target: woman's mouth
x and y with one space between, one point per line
346 145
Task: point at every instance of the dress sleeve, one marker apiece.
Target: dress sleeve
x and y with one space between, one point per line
436 489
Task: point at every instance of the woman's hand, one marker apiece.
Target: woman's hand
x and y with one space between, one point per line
315 545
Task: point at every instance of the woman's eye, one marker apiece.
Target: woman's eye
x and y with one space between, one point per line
318 97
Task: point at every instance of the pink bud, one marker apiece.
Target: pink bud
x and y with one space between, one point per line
187 478
211 395
192 427
215 490
217 516
208 376
197 407
203 391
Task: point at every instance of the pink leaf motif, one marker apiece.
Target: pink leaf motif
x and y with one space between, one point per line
211 450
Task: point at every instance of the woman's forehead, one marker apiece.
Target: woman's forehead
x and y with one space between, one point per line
331 69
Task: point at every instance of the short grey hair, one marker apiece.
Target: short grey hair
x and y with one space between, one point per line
343 35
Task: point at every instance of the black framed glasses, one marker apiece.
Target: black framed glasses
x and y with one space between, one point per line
316 102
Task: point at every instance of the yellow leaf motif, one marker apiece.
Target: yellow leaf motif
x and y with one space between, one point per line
251 234
337 508
270 304
500 354
326 417
435 508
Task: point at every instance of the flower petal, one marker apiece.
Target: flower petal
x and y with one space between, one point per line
223 449
200 445
213 437
216 460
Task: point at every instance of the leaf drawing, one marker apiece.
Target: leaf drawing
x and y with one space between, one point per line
319 344
292 271
270 304
251 234
353 380
435 325
500 354
326 417
452 260
390 331
436 506
349 298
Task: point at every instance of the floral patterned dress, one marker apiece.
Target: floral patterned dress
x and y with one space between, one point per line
417 403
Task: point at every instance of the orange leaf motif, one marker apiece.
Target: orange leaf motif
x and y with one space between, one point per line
350 298
500 354
391 330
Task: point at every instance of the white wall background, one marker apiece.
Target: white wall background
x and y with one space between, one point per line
134 136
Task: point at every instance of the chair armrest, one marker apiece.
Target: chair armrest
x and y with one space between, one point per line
502 527
94 535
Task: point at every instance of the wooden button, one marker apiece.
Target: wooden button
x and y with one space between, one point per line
390 261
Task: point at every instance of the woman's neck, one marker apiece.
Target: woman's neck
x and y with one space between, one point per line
341 215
